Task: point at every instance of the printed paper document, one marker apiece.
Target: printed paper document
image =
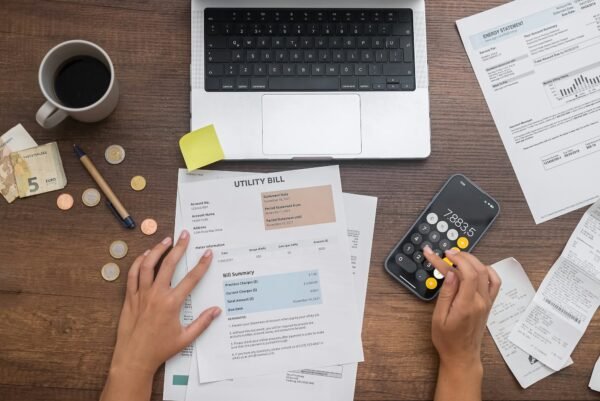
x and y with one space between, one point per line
538 64
595 380
279 273
567 299
515 295
360 212
334 383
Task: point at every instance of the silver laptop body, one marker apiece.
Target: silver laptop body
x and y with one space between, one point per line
314 125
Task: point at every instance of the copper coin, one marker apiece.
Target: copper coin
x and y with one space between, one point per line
149 226
64 201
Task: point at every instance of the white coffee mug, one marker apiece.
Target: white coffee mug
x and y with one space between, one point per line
54 111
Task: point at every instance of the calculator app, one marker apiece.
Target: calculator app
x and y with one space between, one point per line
456 219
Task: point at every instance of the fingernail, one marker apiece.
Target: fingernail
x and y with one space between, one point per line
451 252
184 234
427 250
450 277
166 241
207 253
147 252
215 312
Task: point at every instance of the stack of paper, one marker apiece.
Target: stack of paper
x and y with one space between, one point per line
290 269
546 327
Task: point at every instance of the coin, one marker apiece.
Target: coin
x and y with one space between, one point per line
114 154
138 183
64 201
118 249
110 271
90 197
149 226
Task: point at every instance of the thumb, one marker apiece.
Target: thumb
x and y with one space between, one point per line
197 327
446 297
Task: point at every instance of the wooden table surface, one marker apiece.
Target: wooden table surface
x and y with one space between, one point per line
58 318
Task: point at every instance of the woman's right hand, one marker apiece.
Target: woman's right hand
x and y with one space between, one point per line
459 321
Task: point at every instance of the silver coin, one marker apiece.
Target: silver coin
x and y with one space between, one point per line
114 154
90 197
110 271
118 249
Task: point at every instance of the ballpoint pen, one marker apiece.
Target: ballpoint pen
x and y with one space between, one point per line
113 202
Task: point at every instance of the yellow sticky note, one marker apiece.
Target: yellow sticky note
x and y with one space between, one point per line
201 148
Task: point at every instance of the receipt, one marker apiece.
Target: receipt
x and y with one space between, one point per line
595 380
567 299
515 295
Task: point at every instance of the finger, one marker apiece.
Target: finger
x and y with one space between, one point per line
201 323
165 273
483 275
133 275
469 277
194 276
150 261
495 283
446 297
436 261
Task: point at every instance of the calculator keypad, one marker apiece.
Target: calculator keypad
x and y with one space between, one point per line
409 260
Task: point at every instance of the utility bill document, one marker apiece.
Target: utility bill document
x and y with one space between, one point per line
279 272
538 64
567 299
334 383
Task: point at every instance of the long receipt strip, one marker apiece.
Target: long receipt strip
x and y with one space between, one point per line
279 273
538 64
515 295
311 383
567 299
595 380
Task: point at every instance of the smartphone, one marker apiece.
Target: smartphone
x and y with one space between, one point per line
457 217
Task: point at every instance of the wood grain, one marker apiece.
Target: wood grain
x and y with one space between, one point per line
58 317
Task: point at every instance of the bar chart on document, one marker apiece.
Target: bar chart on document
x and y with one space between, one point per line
573 86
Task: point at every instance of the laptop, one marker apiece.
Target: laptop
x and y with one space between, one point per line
312 79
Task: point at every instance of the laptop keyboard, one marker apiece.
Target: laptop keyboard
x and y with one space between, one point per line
287 49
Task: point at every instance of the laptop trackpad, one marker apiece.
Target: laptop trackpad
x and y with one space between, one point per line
311 124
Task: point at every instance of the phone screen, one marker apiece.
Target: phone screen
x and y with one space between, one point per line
465 208
457 218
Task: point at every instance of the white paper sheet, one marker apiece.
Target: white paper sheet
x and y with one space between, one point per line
278 273
567 299
595 380
538 65
330 384
515 295
360 217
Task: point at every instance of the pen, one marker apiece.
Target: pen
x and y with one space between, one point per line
113 202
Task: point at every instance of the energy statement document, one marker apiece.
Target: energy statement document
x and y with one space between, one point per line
538 65
279 272
567 299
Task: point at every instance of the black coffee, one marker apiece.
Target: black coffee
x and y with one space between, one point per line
81 81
